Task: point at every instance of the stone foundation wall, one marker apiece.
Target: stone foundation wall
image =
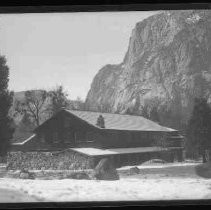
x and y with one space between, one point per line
63 160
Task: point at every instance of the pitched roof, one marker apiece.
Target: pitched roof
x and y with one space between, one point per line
26 140
120 121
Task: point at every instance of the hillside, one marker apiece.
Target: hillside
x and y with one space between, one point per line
166 65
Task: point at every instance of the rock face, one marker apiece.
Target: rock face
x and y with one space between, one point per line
167 64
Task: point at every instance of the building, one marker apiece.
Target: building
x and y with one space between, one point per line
125 139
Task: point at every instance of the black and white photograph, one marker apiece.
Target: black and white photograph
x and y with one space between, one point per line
105 106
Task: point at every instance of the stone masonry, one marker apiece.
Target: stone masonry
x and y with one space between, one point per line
63 160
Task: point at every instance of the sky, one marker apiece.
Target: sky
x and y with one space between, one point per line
44 50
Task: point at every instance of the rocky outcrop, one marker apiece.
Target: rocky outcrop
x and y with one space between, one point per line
167 64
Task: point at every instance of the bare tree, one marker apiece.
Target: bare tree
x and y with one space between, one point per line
79 104
33 105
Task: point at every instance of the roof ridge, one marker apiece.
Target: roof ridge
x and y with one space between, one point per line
109 113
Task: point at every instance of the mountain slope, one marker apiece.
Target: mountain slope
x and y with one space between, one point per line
167 64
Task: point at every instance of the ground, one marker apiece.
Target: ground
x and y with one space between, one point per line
161 182
8 196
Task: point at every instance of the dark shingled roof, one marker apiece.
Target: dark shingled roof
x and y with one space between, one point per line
120 121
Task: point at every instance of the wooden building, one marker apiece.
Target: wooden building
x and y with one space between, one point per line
125 139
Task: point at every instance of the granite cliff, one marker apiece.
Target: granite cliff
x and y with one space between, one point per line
167 64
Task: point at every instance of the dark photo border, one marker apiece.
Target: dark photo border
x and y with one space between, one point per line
7 7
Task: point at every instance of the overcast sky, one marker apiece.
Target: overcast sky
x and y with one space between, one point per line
45 50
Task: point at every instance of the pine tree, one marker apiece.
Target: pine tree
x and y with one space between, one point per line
199 127
58 100
6 97
153 115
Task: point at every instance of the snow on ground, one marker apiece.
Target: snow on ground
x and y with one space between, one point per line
175 182
160 165
12 196
124 189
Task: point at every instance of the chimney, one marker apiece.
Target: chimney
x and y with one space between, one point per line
100 122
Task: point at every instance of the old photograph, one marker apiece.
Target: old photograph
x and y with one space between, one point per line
105 106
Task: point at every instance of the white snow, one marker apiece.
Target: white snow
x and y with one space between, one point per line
92 151
123 189
159 165
156 184
96 151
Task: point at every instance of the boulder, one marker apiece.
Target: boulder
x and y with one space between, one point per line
105 171
25 174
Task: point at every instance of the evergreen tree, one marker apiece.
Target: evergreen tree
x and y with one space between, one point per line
58 100
129 111
199 127
6 97
145 111
153 115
